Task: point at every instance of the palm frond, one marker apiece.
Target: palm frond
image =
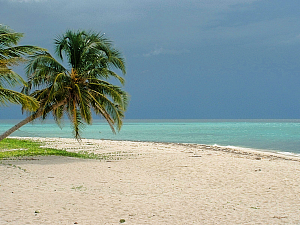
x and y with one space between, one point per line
104 106
8 36
14 97
42 68
9 78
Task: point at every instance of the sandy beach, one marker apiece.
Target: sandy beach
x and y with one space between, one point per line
150 183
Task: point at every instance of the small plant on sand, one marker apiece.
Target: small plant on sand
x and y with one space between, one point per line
79 188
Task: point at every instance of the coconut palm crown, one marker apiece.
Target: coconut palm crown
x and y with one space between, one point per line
81 87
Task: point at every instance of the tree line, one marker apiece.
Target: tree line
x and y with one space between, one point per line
76 90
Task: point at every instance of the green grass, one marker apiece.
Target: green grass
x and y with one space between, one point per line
14 148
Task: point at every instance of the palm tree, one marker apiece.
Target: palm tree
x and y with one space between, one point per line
83 87
11 55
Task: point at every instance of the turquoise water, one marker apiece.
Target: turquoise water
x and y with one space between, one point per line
278 135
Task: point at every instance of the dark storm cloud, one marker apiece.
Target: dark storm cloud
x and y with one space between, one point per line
185 59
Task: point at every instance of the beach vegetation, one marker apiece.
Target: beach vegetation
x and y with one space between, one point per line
12 54
79 188
80 89
14 148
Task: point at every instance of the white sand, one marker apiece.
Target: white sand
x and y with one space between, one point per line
151 183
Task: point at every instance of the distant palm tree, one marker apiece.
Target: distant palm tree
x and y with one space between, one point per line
10 55
82 88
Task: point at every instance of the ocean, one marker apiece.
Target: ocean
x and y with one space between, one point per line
267 135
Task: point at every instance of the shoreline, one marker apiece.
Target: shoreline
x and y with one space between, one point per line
267 135
230 149
150 183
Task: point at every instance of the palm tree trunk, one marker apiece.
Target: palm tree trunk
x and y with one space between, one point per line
30 118
20 124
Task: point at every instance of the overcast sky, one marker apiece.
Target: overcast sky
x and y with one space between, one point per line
191 59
